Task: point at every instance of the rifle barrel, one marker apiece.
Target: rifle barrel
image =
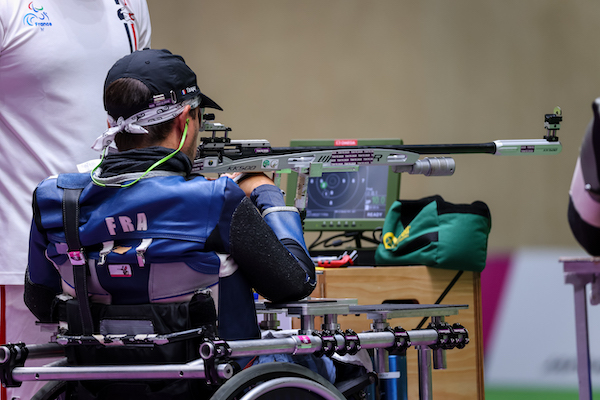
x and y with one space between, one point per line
468 148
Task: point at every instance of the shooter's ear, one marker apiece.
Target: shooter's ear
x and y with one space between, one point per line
182 119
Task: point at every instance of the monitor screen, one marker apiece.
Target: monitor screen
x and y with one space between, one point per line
348 201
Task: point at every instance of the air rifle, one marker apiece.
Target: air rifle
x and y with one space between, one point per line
221 154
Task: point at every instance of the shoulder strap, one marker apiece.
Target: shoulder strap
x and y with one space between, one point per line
70 209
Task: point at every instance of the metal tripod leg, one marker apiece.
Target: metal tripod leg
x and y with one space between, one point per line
579 282
424 362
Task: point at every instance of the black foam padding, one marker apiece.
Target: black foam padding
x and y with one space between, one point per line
587 235
590 151
39 300
265 262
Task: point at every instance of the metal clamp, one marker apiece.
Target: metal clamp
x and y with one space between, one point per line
212 350
328 342
401 341
351 343
14 356
445 336
461 335
449 336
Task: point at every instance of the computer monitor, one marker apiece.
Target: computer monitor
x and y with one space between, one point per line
348 201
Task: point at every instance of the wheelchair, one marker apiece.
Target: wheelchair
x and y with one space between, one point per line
217 366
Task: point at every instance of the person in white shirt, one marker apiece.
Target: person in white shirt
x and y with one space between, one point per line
54 55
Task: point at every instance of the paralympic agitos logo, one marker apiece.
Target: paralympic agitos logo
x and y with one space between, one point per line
37 17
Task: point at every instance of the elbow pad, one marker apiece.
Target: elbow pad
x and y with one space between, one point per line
285 222
264 260
287 226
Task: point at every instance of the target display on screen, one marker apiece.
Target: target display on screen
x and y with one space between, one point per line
347 201
360 194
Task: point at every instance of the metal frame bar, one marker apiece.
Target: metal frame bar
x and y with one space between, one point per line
303 343
579 272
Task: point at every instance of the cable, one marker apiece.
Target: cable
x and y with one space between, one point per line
316 241
444 293
156 164
325 242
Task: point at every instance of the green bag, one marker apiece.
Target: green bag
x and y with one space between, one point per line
435 233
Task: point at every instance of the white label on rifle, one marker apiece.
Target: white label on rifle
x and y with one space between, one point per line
356 157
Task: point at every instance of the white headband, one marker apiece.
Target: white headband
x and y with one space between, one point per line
135 124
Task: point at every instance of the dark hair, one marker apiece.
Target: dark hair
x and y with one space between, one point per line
124 92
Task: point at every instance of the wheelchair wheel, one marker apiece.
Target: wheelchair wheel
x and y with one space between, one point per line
54 390
291 381
289 388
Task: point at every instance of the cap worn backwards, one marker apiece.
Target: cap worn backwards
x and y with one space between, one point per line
167 76
170 81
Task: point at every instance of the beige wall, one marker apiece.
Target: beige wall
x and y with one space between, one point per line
425 71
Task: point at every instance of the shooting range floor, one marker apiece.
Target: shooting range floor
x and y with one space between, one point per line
533 394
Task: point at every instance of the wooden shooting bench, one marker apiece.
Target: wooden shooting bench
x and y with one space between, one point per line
463 378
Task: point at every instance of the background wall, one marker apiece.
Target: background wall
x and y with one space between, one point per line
430 71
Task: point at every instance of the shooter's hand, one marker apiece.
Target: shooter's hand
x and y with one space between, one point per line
250 181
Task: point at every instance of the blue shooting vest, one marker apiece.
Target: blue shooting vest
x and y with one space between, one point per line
160 239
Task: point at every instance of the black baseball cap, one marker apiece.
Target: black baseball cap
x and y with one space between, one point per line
167 76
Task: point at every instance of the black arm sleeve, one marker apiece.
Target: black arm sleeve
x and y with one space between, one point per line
265 262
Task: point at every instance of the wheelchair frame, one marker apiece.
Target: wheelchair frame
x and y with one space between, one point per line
215 364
